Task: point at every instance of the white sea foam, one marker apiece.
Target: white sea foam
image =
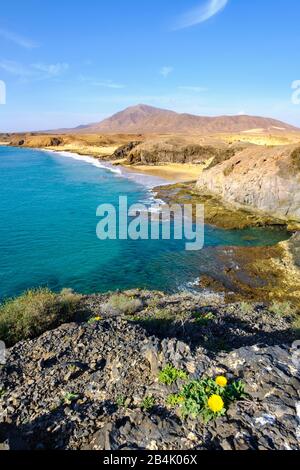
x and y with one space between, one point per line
88 159
147 181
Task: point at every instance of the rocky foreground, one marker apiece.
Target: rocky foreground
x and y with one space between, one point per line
86 385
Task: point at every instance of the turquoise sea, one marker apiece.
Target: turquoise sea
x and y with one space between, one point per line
48 224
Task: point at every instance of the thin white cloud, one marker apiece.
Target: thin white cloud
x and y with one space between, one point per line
108 84
101 83
193 89
39 71
200 14
14 68
53 70
21 41
166 71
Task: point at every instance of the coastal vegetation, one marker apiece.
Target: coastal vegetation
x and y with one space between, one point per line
207 398
170 375
122 304
148 403
35 312
69 397
282 309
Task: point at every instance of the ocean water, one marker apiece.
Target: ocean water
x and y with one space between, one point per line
48 224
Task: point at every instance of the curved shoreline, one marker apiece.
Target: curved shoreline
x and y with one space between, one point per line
246 258
149 181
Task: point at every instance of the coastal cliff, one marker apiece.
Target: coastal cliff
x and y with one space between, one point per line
179 150
264 179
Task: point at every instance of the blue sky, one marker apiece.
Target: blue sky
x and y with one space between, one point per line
69 63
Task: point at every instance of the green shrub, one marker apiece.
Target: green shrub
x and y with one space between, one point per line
204 319
170 375
122 304
206 398
94 320
174 400
72 368
281 309
35 312
246 308
121 401
148 403
69 397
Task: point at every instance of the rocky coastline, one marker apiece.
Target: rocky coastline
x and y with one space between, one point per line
259 183
94 383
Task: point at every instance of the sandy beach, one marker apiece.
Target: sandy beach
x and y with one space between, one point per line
173 172
176 172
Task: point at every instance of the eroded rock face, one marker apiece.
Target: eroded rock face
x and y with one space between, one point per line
294 248
261 178
81 386
55 142
123 151
176 150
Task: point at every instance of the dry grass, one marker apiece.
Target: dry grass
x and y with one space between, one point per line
35 312
281 309
121 304
263 138
295 156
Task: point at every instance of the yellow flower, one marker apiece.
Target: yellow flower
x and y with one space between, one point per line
97 318
221 381
215 403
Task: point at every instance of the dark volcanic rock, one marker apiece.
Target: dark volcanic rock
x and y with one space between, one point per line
81 386
123 151
55 142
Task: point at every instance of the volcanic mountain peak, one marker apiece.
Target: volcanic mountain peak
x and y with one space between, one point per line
148 119
145 119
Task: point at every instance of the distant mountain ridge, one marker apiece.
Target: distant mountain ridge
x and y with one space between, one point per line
144 119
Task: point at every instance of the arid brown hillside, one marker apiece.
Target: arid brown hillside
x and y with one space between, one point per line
102 146
147 119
